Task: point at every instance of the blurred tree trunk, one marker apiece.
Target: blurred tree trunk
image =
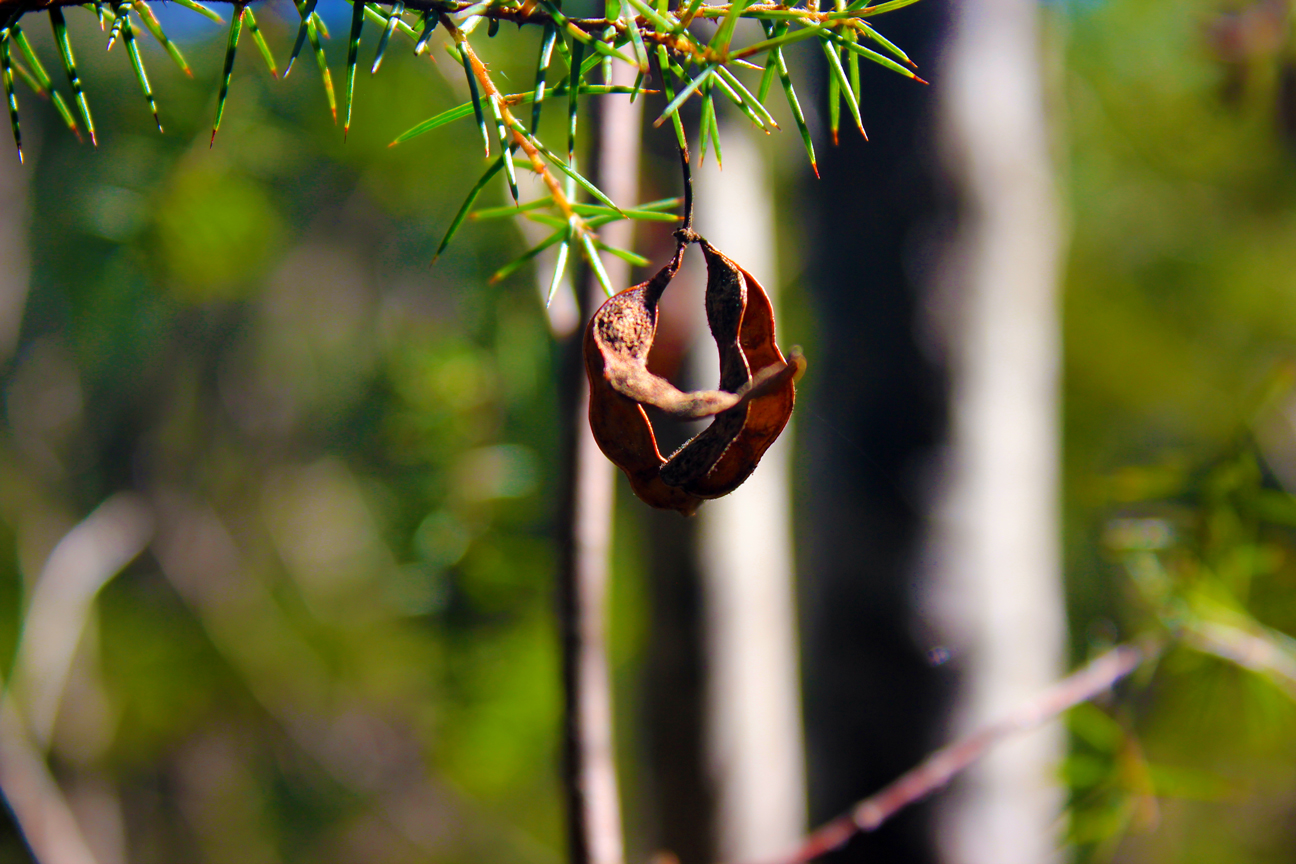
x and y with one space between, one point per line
936 297
871 418
1000 592
14 217
723 697
594 804
754 740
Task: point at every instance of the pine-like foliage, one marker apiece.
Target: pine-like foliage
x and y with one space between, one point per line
665 46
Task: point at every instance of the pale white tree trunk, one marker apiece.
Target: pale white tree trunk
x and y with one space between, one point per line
754 732
1000 588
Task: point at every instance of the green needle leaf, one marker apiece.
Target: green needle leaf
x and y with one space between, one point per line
201 10
562 166
43 79
869 54
114 31
662 22
306 11
771 66
704 126
398 9
466 109
839 75
715 132
59 25
511 210
132 51
749 104
510 268
7 75
580 35
723 35
428 23
353 51
575 74
231 47
675 103
651 212
260 42
30 80
663 66
596 264
624 254
560 265
636 42
854 70
314 27
505 150
467 205
542 71
877 37
778 42
687 17
795 106
476 99
154 27
867 10
20 38
546 219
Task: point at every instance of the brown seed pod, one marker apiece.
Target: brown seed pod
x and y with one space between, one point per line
716 461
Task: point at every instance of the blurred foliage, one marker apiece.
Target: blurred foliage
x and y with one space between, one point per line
1180 174
346 652
342 647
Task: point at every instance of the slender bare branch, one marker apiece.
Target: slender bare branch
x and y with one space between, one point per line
1267 652
940 767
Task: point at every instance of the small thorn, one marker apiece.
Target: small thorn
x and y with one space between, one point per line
158 122
346 130
919 80
334 110
393 144
20 156
93 140
212 143
834 137
814 167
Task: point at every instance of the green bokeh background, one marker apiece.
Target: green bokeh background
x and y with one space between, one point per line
256 327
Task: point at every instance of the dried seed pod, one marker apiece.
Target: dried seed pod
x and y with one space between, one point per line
722 456
622 332
750 410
